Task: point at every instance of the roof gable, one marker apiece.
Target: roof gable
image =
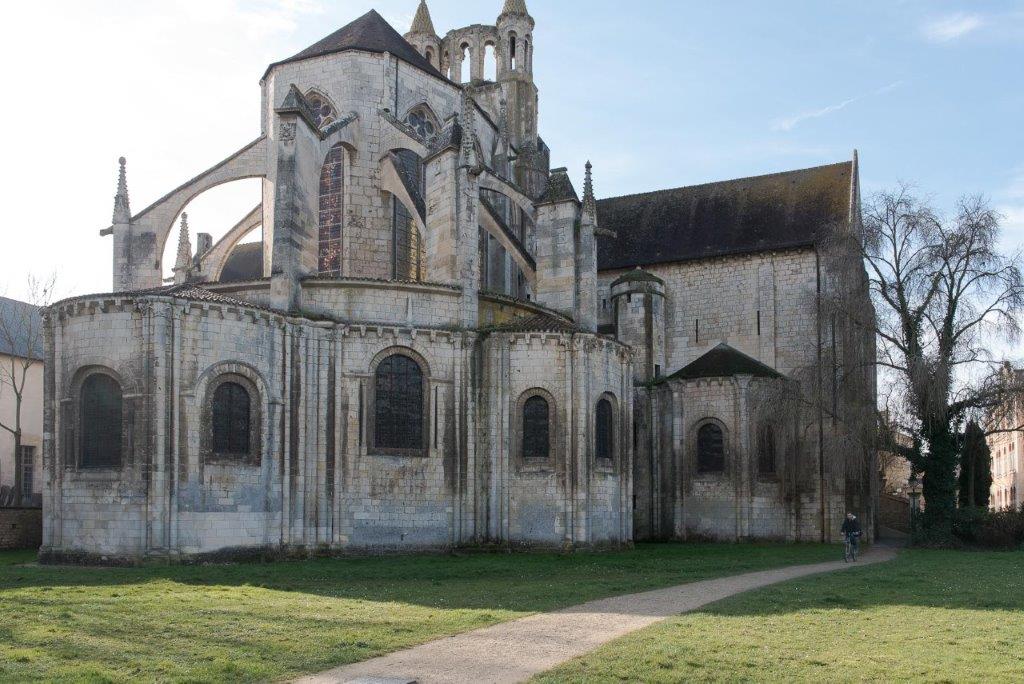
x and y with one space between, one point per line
369 33
778 211
722 362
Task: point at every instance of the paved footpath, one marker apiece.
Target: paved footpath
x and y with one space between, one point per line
517 650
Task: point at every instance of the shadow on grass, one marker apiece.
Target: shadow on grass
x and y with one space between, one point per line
521 582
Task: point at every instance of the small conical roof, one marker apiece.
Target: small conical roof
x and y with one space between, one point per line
422 23
515 7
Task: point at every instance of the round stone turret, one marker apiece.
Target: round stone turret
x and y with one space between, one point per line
515 31
639 301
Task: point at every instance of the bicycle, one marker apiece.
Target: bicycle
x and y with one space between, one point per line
851 547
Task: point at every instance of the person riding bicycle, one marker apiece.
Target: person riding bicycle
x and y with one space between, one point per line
851 533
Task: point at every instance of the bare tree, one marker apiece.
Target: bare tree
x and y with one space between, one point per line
21 331
944 296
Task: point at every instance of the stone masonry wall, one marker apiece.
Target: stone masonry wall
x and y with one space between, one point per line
20 528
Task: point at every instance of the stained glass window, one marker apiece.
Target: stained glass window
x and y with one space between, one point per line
398 398
230 420
322 109
102 422
420 121
710 449
536 428
332 200
604 429
766 449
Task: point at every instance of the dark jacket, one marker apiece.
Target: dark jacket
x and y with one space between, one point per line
851 526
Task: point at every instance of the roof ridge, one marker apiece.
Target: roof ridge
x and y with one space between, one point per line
727 180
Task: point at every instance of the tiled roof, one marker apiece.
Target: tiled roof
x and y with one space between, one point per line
21 329
368 33
722 362
187 291
244 263
539 322
778 211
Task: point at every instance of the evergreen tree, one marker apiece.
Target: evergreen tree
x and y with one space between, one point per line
975 468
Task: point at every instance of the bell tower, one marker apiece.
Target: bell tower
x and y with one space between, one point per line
423 37
515 74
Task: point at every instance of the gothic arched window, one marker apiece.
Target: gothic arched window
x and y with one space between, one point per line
230 420
536 428
766 449
421 121
102 417
398 405
604 430
322 109
710 449
332 211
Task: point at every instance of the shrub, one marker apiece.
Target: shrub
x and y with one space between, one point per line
978 528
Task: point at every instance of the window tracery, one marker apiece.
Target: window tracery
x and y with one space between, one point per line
323 110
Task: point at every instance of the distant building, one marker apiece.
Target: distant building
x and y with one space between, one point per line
1007 450
19 348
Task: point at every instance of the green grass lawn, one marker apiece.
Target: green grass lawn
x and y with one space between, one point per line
932 616
266 621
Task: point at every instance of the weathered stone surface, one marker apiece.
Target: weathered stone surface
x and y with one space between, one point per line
507 306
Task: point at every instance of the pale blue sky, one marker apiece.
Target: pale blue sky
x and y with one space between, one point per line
656 93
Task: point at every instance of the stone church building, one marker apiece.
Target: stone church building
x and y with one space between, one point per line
440 342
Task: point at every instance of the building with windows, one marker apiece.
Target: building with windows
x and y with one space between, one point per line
21 373
440 342
1006 448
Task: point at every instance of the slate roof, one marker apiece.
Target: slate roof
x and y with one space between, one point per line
722 362
777 211
368 33
245 263
25 325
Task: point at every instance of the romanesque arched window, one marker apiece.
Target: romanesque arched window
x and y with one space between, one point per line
102 422
399 405
536 428
604 430
710 449
332 211
766 449
323 110
407 243
231 420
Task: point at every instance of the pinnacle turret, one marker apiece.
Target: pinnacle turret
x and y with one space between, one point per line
122 207
183 264
589 202
515 7
422 23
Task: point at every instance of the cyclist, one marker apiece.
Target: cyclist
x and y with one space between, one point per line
851 533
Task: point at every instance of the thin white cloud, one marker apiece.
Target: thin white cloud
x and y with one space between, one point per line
791 122
951 27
